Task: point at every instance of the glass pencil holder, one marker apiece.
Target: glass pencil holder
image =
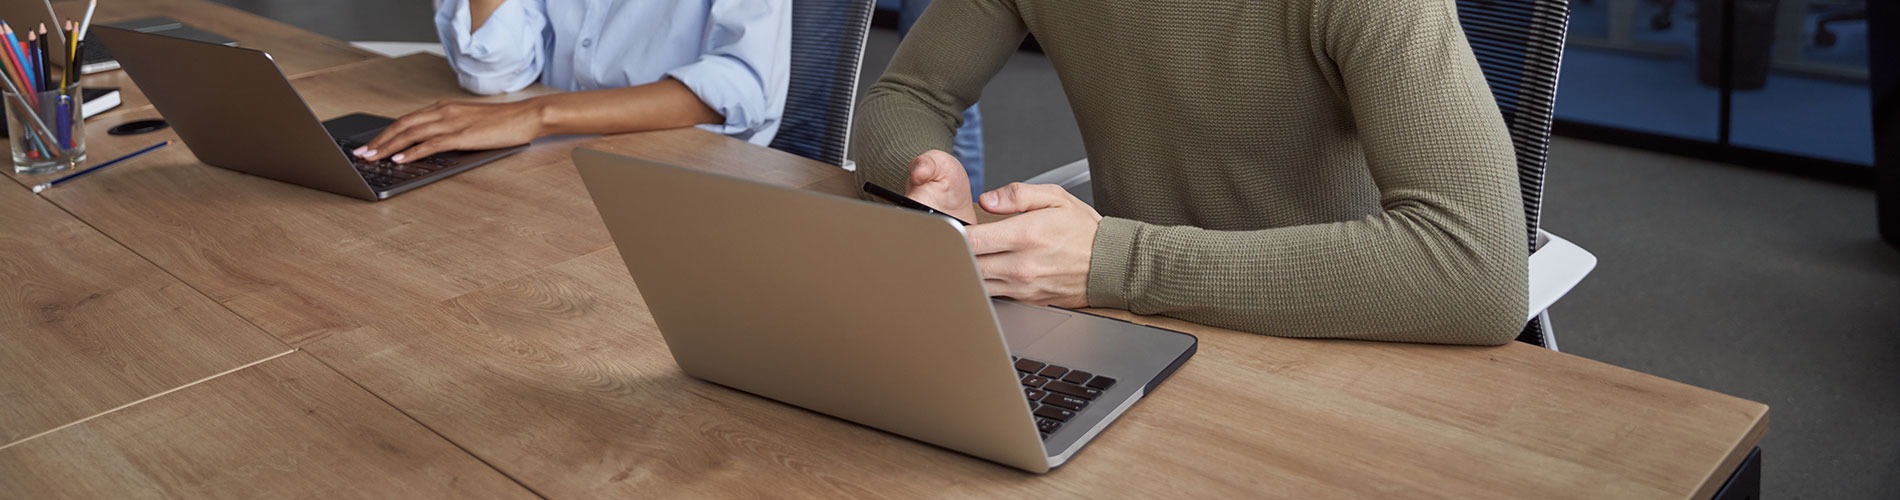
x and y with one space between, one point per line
46 130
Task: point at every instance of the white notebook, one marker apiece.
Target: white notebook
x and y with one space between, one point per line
98 100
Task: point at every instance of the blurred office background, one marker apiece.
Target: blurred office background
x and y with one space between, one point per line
1745 262
1798 78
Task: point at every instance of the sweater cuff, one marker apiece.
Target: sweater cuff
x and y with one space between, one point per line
1110 262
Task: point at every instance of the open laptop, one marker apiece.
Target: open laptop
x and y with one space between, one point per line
23 14
95 58
236 110
867 312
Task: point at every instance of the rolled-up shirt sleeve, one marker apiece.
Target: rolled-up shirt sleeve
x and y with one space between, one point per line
745 66
507 54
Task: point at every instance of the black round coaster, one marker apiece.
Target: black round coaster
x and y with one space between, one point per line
138 127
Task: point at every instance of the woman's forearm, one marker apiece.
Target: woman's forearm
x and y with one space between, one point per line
659 105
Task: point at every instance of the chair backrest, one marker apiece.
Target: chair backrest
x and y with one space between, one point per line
1520 45
827 52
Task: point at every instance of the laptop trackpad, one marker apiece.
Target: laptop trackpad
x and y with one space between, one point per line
1023 325
357 127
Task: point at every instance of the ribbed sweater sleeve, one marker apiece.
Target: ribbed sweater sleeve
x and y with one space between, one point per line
938 71
1322 169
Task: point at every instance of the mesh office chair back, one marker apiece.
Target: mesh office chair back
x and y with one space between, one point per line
827 49
1520 44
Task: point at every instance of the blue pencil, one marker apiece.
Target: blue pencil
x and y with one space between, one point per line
102 166
13 45
33 54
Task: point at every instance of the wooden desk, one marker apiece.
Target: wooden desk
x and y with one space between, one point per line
285 427
560 380
87 326
301 263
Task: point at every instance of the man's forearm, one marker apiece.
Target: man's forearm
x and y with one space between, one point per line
478 12
659 105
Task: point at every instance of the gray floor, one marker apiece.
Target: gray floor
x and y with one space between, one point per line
1763 286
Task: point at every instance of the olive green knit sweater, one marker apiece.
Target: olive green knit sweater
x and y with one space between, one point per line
1303 168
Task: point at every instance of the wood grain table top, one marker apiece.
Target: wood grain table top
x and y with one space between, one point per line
285 427
87 326
301 263
560 379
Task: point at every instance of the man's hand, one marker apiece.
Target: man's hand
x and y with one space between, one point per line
1041 256
452 126
938 180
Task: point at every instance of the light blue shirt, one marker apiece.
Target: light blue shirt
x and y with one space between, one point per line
734 54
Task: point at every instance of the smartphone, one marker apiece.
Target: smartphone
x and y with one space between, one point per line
905 201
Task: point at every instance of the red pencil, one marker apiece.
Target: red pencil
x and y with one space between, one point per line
18 69
13 69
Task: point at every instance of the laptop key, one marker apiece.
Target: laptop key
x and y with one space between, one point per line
1100 382
1077 377
1029 365
1073 390
1053 371
1047 426
1034 394
1054 413
1034 381
1065 401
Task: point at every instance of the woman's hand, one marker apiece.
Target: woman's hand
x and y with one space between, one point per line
455 126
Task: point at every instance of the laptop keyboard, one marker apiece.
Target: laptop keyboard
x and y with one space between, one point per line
382 174
1057 393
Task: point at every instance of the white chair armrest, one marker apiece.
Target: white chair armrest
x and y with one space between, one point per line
1068 176
1555 268
399 49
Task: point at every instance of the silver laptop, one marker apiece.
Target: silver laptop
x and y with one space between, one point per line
237 111
867 312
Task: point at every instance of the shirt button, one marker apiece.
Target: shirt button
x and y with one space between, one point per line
587 42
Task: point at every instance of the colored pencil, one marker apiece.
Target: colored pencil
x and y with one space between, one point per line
26 63
33 121
46 58
12 69
85 23
72 56
38 69
102 166
19 56
16 82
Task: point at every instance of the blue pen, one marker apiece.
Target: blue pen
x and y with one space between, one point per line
102 166
65 120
